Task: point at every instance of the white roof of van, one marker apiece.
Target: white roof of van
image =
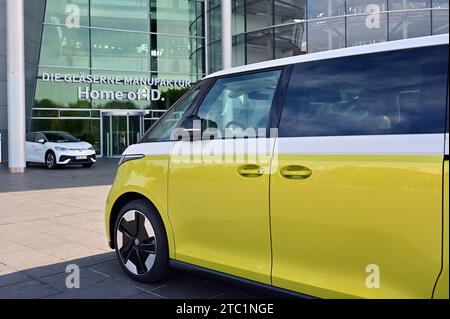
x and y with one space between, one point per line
357 50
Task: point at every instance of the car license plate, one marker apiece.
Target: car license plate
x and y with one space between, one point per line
81 157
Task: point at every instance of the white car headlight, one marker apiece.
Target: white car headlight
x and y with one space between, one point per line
59 148
91 148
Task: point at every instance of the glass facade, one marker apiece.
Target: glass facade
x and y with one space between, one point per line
271 29
109 68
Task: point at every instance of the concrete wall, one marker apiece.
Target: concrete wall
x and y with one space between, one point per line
34 15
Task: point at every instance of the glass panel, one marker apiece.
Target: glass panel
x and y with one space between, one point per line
440 16
71 13
355 96
107 146
366 29
290 40
325 8
215 56
169 95
53 95
371 26
240 102
287 11
409 24
238 50
107 101
119 134
365 6
214 21
45 113
183 17
238 17
69 113
65 47
134 131
120 50
163 129
148 124
259 46
215 47
326 34
176 54
408 4
258 14
120 14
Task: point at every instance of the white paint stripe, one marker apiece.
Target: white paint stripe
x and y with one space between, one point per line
225 146
411 144
407 144
155 148
446 144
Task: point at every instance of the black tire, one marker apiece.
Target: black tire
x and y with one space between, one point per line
141 264
87 165
50 160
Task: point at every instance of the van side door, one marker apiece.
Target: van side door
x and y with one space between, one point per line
219 185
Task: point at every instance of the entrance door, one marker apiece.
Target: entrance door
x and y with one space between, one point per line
119 131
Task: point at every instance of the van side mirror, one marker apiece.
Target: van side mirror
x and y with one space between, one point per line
192 129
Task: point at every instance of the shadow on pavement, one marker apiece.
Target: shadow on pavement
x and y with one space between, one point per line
102 277
38 177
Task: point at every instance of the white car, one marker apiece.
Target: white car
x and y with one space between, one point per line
58 148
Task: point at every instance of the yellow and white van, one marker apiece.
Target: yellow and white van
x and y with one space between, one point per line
324 174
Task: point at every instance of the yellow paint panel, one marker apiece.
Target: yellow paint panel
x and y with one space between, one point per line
354 211
220 219
442 287
148 177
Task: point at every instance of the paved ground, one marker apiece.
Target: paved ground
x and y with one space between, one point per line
50 219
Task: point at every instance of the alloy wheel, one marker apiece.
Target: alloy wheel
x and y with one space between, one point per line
50 160
136 242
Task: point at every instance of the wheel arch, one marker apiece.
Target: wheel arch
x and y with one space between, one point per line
49 151
121 201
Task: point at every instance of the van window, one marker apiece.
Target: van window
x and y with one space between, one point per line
397 92
240 103
163 128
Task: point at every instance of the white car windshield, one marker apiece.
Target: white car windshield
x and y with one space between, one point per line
60 137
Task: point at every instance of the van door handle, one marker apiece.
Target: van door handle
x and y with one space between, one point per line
250 170
295 172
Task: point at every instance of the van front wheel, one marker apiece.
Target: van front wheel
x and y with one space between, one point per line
141 242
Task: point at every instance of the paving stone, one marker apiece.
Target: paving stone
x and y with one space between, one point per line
145 295
31 289
13 278
109 289
87 278
190 287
